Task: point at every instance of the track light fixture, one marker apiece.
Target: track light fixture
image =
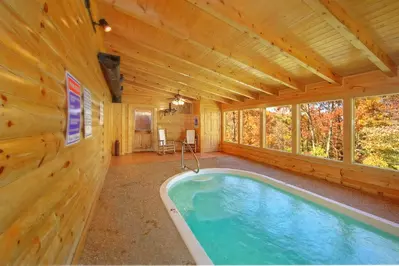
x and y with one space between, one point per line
102 22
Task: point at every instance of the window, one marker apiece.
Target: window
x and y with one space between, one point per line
322 129
377 131
143 121
251 127
231 126
279 128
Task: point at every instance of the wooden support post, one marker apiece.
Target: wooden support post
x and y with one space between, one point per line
348 129
296 129
263 128
239 126
222 126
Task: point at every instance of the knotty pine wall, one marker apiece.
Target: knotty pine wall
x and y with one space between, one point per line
369 179
123 124
47 190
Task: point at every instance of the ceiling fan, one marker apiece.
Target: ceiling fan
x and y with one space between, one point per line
178 99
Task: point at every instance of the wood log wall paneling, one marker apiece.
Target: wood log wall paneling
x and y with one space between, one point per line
47 189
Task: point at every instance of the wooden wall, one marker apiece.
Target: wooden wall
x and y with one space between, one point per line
176 125
47 189
369 179
123 125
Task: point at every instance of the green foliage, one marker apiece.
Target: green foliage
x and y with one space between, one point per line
375 160
319 152
377 131
279 128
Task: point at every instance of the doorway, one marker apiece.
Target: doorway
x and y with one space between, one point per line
143 127
211 130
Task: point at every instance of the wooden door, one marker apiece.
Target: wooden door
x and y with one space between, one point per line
143 127
211 130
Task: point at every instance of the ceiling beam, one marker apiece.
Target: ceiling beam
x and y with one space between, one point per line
143 83
354 32
186 54
129 88
162 60
134 89
180 86
169 20
235 17
135 64
136 82
170 86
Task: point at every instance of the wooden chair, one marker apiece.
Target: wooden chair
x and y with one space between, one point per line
191 139
165 145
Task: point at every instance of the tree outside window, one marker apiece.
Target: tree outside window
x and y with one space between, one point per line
231 126
251 127
377 131
279 128
322 129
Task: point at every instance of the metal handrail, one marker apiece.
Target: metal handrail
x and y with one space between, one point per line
185 167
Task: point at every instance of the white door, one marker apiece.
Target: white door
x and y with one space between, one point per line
211 132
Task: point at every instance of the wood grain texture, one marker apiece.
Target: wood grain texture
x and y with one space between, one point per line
236 17
368 179
124 122
46 188
254 48
170 21
189 52
332 12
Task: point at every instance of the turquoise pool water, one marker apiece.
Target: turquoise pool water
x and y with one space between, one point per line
239 220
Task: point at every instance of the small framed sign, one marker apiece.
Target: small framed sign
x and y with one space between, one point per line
74 109
87 113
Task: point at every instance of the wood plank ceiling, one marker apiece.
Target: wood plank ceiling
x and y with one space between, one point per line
232 50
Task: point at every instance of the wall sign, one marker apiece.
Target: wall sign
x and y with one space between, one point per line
101 113
74 110
87 113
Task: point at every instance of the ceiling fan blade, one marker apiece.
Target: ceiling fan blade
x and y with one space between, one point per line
187 100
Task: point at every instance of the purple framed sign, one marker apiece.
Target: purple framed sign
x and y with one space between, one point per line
74 109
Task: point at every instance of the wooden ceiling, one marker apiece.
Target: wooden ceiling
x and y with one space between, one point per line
232 50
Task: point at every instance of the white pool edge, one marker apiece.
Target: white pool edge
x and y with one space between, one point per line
197 251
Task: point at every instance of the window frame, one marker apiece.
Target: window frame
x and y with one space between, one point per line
299 151
348 98
353 131
241 125
292 128
238 126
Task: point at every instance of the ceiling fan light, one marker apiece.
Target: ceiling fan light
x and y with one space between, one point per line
181 102
175 102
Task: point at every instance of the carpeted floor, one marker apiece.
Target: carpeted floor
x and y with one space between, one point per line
131 225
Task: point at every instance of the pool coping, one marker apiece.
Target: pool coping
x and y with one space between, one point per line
197 250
